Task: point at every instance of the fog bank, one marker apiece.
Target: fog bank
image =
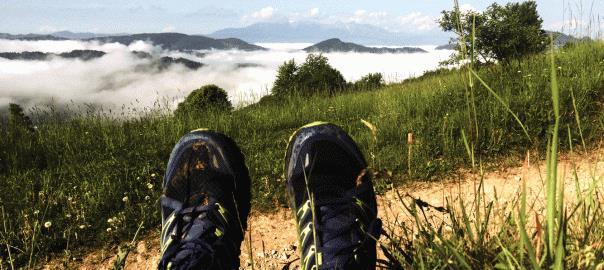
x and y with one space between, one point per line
119 78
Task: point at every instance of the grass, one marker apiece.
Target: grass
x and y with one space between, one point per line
497 234
91 179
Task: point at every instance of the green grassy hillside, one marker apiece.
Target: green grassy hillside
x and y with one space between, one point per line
93 178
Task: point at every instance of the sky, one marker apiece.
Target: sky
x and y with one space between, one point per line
204 17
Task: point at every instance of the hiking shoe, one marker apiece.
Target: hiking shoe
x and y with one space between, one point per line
205 203
327 182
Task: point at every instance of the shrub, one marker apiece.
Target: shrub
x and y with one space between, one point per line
369 82
286 79
17 120
208 97
20 136
314 76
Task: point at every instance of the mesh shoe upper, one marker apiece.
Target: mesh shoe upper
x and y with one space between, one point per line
332 198
205 204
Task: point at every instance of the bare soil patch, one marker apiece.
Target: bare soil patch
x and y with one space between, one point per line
273 236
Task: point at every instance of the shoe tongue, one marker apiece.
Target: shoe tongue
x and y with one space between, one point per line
203 223
199 227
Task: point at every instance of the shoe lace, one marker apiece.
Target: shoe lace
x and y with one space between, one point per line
343 234
195 235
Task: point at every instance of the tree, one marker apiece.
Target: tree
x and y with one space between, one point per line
317 76
22 138
286 78
206 98
500 32
369 82
314 76
17 120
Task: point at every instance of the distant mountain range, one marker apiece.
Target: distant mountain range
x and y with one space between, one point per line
170 41
181 42
82 35
560 39
337 45
315 32
37 56
450 46
86 55
233 38
29 37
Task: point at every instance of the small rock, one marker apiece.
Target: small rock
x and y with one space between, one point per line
141 248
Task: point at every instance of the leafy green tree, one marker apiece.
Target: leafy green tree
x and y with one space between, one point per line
208 97
22 148
369 82
286 79
499 33
317 76
314 76
17 120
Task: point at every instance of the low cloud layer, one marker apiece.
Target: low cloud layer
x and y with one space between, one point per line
121 79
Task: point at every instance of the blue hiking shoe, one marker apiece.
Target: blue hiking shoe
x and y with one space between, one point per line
205 203
332 198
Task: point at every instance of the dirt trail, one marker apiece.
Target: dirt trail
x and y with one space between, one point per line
273 235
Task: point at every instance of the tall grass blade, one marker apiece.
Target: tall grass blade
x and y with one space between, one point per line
525 242
553 209
469 150
505 105
577 118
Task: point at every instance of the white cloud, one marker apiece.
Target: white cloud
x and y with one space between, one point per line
168 28
374 17
414 21
418 20
467 7
360 13
264 13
